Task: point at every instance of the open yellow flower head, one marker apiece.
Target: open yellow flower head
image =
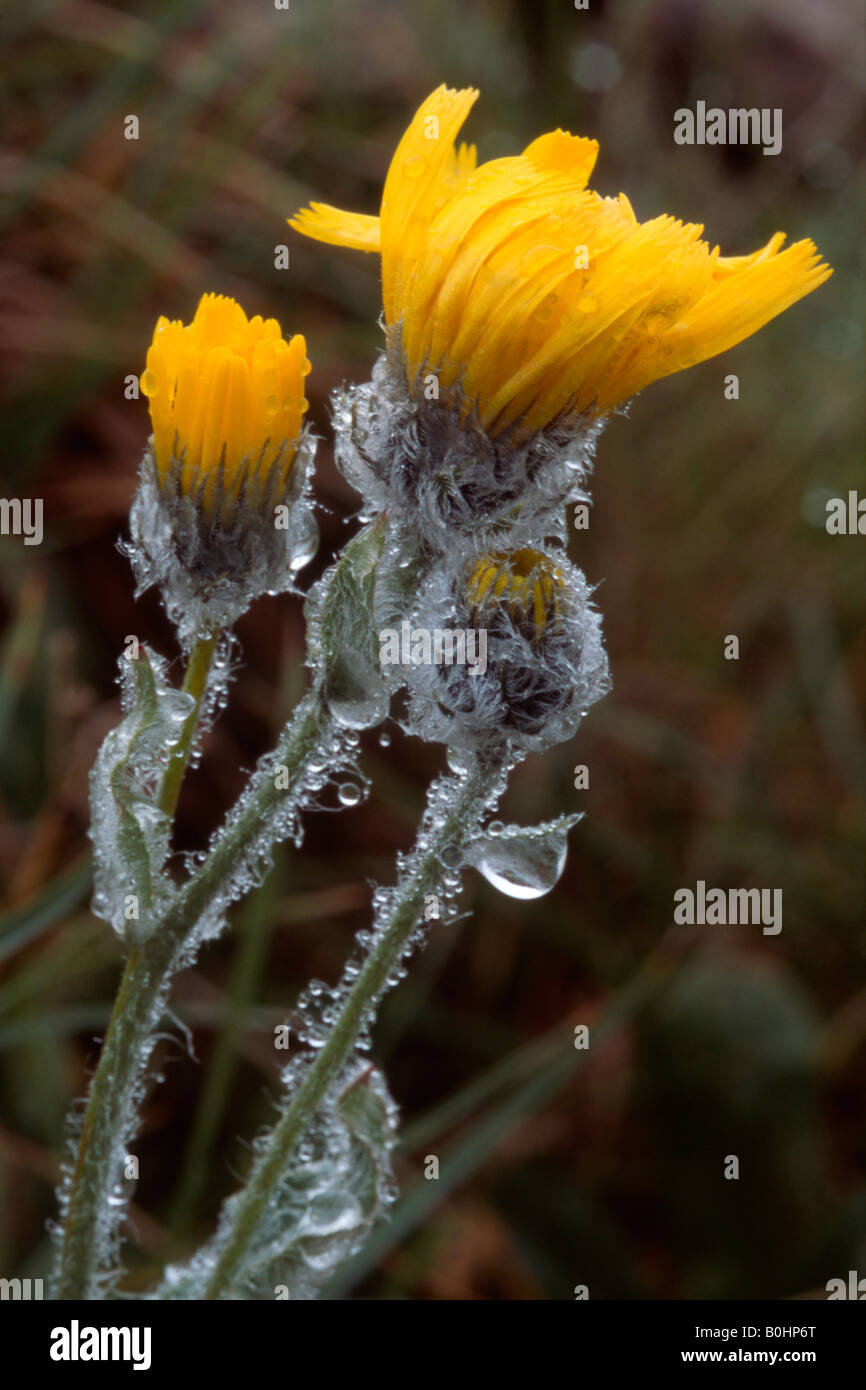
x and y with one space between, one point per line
226 397
524 583
534 297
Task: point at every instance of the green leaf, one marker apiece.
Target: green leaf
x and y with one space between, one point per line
329 1196
347 633
130 833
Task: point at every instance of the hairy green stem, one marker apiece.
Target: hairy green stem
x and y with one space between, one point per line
253 926
423 876
110 1114
194 684
134 1016
97 1167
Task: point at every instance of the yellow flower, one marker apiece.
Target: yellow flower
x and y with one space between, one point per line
535 298
525 583
226 398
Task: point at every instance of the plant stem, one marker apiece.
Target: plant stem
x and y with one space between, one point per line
134 1016
91 1217
422 875
88 1225
253 926
194 684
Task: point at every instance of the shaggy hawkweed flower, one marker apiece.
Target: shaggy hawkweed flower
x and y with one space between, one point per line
223 511
535 298
529 306
535 655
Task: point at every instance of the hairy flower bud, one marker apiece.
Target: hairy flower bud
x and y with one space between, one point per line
534 658
223 511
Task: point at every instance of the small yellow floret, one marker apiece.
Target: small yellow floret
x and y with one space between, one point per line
525 583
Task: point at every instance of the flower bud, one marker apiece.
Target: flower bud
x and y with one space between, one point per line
223 512
535 662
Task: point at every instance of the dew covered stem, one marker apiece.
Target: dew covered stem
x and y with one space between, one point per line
194 684
93 1200
90 1215
455 807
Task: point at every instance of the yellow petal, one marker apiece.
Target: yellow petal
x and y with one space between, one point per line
496 207
731 265
559 306
568 154
224 390
417 183
732 309
322 222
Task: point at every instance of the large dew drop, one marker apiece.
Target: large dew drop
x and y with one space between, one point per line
523 863
305 541
353 707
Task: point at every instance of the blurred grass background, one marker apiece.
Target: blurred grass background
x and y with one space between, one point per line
558 1167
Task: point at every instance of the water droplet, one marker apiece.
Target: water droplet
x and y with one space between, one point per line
656 322
384 739
305 543
459 759
524 863
588 303
356 694
414 166
349 793
536 256
546 309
